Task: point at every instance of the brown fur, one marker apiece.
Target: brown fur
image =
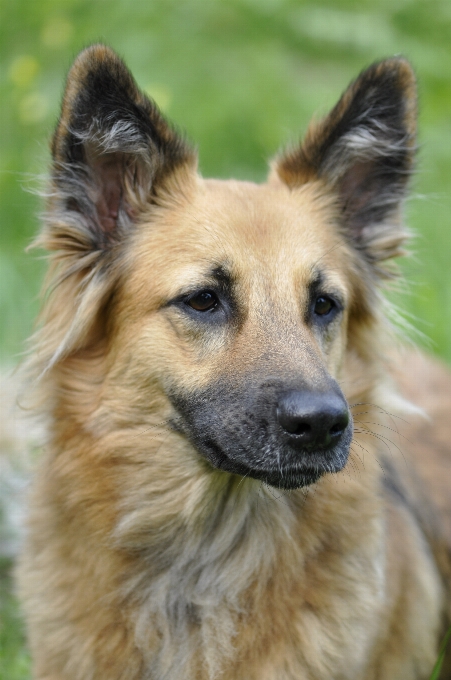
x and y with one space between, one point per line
146 561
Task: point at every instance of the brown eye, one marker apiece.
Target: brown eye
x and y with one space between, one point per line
323 306
203 302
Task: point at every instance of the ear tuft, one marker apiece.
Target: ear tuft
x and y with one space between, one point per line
364 152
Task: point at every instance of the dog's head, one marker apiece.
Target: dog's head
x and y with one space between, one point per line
230 311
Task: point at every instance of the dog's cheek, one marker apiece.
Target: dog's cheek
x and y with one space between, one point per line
159 351
332 341
195 342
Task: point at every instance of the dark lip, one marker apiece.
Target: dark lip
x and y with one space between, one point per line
290 477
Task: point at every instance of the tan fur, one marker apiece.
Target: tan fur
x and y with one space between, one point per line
145 562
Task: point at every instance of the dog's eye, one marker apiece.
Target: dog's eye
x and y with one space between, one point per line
203 301
323 306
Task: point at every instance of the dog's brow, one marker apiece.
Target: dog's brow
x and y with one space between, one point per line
320 284
223 277
316 282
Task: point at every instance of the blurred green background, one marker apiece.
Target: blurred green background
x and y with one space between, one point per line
241 78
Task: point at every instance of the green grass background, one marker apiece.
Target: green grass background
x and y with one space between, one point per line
241 78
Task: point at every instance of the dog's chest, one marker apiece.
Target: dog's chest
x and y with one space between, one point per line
267 614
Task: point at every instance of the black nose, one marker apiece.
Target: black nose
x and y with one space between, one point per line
312 419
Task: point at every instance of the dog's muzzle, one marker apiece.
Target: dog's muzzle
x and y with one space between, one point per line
285 436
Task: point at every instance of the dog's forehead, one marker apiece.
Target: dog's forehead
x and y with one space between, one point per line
255 231
267 218
253 224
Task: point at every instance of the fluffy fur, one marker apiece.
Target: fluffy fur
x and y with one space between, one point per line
156 551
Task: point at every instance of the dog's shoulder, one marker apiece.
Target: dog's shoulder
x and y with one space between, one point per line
426 383
421 477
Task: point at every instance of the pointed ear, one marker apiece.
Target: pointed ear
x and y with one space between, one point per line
112 151
363 151
113 155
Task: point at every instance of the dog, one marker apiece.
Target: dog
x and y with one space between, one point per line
246 478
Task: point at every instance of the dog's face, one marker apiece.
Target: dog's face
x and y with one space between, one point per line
243 325
233 306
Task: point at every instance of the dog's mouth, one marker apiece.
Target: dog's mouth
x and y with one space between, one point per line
291 474
287 441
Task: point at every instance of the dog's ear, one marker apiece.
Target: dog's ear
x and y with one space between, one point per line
112 151
114 154
364 150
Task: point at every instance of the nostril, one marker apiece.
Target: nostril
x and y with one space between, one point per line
337 429
298 428
340 424
312 419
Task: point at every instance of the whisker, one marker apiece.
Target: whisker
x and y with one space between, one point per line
369 422
354 441
380 408
383 439
151 427
271 490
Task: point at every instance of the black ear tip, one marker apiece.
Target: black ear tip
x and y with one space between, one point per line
98 75
98 62
394 64
396 71
99 53
396 84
